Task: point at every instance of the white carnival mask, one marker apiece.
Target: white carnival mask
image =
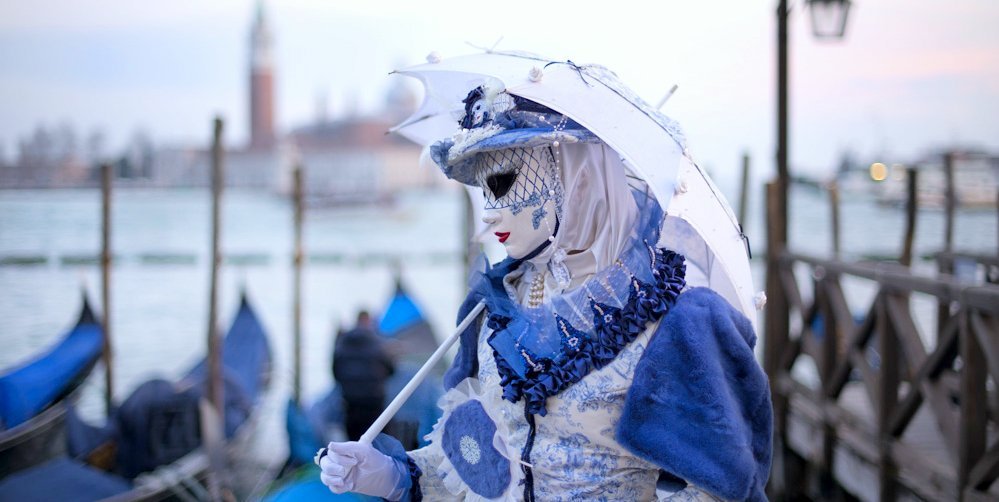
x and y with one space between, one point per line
523 194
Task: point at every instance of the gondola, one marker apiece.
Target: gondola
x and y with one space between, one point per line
163 448
410 340
34 395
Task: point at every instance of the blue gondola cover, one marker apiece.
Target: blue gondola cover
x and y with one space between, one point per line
29 388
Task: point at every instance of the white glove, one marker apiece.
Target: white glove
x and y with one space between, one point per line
360 468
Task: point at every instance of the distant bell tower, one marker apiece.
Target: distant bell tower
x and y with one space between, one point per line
261 83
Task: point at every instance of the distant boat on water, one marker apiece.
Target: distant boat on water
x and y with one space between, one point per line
976 180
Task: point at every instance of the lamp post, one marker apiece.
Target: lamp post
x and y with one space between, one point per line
829 18
828 22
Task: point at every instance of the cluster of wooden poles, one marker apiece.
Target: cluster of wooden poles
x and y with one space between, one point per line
214 335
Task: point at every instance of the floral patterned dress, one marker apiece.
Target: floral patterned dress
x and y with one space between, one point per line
537 418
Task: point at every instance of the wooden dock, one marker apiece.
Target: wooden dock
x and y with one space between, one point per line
896 398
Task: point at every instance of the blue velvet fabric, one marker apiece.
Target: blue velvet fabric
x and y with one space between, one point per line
699 406
468 444
410 478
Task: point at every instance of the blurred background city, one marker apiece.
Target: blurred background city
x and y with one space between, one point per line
912 86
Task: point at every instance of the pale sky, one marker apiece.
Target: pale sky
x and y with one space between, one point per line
911 75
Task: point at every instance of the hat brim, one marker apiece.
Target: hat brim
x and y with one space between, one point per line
461 163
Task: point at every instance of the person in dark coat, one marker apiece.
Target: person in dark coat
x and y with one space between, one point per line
361 366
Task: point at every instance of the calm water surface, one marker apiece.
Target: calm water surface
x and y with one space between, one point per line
161 242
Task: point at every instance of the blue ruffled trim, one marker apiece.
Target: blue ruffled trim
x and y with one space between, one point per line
415 494
614 329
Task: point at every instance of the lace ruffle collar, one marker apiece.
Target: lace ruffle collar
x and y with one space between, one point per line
541 351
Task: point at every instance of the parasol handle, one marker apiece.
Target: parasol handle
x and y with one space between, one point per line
418 378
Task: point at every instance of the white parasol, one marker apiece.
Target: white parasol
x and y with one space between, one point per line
699 224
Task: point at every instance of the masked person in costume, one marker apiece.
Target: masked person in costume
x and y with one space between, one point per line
599 369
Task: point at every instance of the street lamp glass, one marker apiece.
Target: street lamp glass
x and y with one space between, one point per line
829 17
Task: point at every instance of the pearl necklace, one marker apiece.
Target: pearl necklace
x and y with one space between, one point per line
537 292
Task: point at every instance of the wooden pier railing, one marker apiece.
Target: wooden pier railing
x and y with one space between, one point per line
889 397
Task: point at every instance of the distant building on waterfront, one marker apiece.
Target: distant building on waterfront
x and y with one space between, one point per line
354 159
48 157
348 160
262 136
345 160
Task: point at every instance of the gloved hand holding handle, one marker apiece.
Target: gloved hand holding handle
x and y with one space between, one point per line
358 466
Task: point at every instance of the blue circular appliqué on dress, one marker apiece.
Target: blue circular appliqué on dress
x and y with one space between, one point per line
468 443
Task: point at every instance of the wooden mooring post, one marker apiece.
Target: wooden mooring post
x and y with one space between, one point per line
107 175
471 248
897 405
298 254
833 189
213 432
215 391
911 210
776 328
947 267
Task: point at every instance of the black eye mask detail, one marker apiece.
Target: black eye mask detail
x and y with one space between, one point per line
500 183
518 178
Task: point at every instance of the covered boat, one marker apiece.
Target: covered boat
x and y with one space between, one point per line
34 393
159 432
